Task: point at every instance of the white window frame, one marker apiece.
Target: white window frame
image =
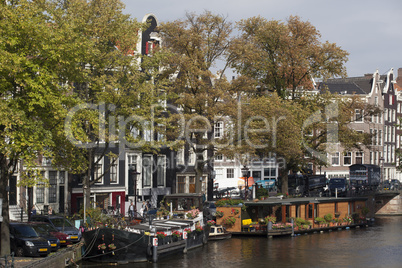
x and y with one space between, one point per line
114 170
335 156
97 168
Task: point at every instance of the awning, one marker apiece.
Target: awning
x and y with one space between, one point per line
243 181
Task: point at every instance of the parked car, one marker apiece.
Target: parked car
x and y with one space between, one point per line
47 229
61 224
25 241
54 241
396 184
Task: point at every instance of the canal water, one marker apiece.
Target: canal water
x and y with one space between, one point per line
376 246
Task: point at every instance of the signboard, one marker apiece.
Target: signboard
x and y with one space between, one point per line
155 241
184 235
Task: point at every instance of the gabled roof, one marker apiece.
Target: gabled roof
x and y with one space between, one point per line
348 86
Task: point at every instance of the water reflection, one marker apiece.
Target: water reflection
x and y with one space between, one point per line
377 246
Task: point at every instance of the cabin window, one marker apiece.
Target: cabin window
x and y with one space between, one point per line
310 209
230 173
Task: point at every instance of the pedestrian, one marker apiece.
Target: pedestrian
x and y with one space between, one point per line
50 211
33 211
144 208
131 210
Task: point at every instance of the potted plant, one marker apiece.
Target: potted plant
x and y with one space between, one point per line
328 218
229 221
188 230
160 235
192 214
211 222
112 246
270 219
176 235
219 214
337 214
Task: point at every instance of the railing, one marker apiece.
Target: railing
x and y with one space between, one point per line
8 261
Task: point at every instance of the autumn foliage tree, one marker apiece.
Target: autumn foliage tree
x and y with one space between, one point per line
284 57
202 97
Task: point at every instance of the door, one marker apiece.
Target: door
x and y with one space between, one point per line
13 191
61 199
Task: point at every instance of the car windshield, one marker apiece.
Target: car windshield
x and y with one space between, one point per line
25 231
40 230
47 227
58 222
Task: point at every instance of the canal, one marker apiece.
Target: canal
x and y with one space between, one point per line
376 246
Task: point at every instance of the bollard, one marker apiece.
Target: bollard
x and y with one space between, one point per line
155 249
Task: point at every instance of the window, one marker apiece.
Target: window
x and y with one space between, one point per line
347 158
132 162
218 130
40 191
218 157
358 115
113 169
147 170
62 177
359 158
52 186
161 170
181 184
335 159
230 173
380 137
98 170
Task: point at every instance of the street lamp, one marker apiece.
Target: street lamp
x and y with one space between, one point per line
244 172
382 170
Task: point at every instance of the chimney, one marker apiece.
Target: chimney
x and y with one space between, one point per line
399 78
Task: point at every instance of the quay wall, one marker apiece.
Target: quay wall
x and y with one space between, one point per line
63 258
391 207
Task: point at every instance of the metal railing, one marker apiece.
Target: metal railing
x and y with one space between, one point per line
8 261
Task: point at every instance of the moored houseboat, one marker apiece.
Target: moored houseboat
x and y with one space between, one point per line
177 231
276 216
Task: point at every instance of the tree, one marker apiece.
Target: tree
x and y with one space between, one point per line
196 45
285 57
31 96
70 85
113 100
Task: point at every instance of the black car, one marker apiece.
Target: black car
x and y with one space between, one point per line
61 224
43 232
25 241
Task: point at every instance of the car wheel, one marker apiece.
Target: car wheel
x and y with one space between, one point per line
19 252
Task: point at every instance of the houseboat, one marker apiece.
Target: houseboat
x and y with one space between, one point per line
166 232
277 216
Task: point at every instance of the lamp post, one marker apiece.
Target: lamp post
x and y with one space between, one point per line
382 171
85 204
244 172
132 185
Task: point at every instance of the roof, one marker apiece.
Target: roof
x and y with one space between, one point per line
349 86
302 200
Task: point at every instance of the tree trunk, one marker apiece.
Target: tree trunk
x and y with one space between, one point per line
284 179
5 229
